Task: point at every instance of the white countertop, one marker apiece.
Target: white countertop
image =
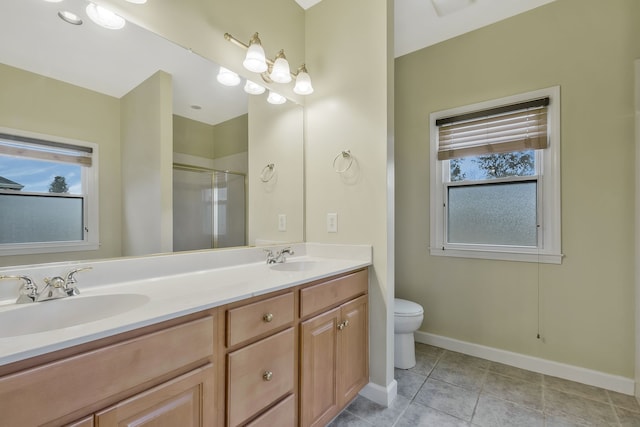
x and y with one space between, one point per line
170 296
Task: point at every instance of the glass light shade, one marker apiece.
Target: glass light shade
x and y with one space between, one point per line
275 98
228 77
280 72
303 84
253 88
255 60
104 17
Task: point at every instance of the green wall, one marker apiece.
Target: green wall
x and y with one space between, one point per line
210 141
586 311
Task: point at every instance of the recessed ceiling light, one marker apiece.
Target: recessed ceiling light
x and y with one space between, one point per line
196 107
445 7
69 17
104 17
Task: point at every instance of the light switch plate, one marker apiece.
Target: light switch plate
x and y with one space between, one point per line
332 223
282 222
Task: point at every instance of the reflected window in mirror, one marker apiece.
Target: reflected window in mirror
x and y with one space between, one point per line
48 195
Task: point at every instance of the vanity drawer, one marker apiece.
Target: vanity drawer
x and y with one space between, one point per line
259 374
252 320
281 415
327 294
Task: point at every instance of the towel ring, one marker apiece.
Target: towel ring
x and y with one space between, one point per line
346 154
268 172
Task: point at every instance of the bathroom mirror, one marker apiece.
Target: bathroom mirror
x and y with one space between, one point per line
71 81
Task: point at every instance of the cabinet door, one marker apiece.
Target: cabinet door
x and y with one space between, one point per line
353 345
186 401
85 422
318 361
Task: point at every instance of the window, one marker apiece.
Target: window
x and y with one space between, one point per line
495 179
48 194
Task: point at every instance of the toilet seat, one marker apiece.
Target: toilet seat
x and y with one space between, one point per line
404 308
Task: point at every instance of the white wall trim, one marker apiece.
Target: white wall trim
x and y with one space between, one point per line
379 394
535 364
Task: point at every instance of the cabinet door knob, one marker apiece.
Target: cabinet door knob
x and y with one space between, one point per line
343 324
267 317
267 375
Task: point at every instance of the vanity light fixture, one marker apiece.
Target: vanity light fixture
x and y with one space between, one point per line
253 88
69 17
275 98
277 70
104 17
228 77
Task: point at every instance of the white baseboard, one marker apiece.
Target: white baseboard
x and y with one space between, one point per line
535 364
379 394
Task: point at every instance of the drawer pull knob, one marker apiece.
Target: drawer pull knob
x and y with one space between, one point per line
267 317
342 325
267 375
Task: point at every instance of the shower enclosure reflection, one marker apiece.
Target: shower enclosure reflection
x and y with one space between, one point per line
208 209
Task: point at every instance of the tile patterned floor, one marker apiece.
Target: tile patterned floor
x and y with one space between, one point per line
452 389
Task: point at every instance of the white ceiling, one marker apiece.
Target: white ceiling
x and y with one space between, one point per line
417 25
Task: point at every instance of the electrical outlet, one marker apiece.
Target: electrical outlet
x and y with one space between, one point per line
332 223
282 222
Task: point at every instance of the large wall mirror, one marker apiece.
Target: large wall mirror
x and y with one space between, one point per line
184 163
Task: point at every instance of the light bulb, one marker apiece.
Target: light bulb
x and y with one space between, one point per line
253 88
104 17
303 83
228 77
280 72
275 98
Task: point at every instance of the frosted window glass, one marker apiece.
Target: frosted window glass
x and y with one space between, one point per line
30 219
493 214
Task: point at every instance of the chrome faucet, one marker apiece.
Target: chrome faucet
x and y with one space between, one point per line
55 287
279 256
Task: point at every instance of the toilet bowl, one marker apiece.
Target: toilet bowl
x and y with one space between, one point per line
407 318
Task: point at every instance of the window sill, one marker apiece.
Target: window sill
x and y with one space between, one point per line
546 258
46 248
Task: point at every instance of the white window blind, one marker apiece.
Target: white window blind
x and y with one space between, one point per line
45 150
516 127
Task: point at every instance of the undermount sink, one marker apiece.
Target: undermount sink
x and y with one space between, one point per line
63 313
295 266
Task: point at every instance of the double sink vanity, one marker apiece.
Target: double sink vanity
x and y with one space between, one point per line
210 338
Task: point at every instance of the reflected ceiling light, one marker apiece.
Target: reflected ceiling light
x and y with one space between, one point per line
303 82
253 88
275 98
277 71
70 17
280 73
53 1
137 1
445 7
228 77
255 59
104 17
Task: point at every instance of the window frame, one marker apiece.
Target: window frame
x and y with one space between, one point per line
91 239
547 175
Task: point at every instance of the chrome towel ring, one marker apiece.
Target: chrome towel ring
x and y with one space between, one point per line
268 172
345 154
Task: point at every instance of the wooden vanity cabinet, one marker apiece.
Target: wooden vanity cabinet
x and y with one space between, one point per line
333 347
154 375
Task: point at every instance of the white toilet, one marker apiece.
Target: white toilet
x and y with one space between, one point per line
407 318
